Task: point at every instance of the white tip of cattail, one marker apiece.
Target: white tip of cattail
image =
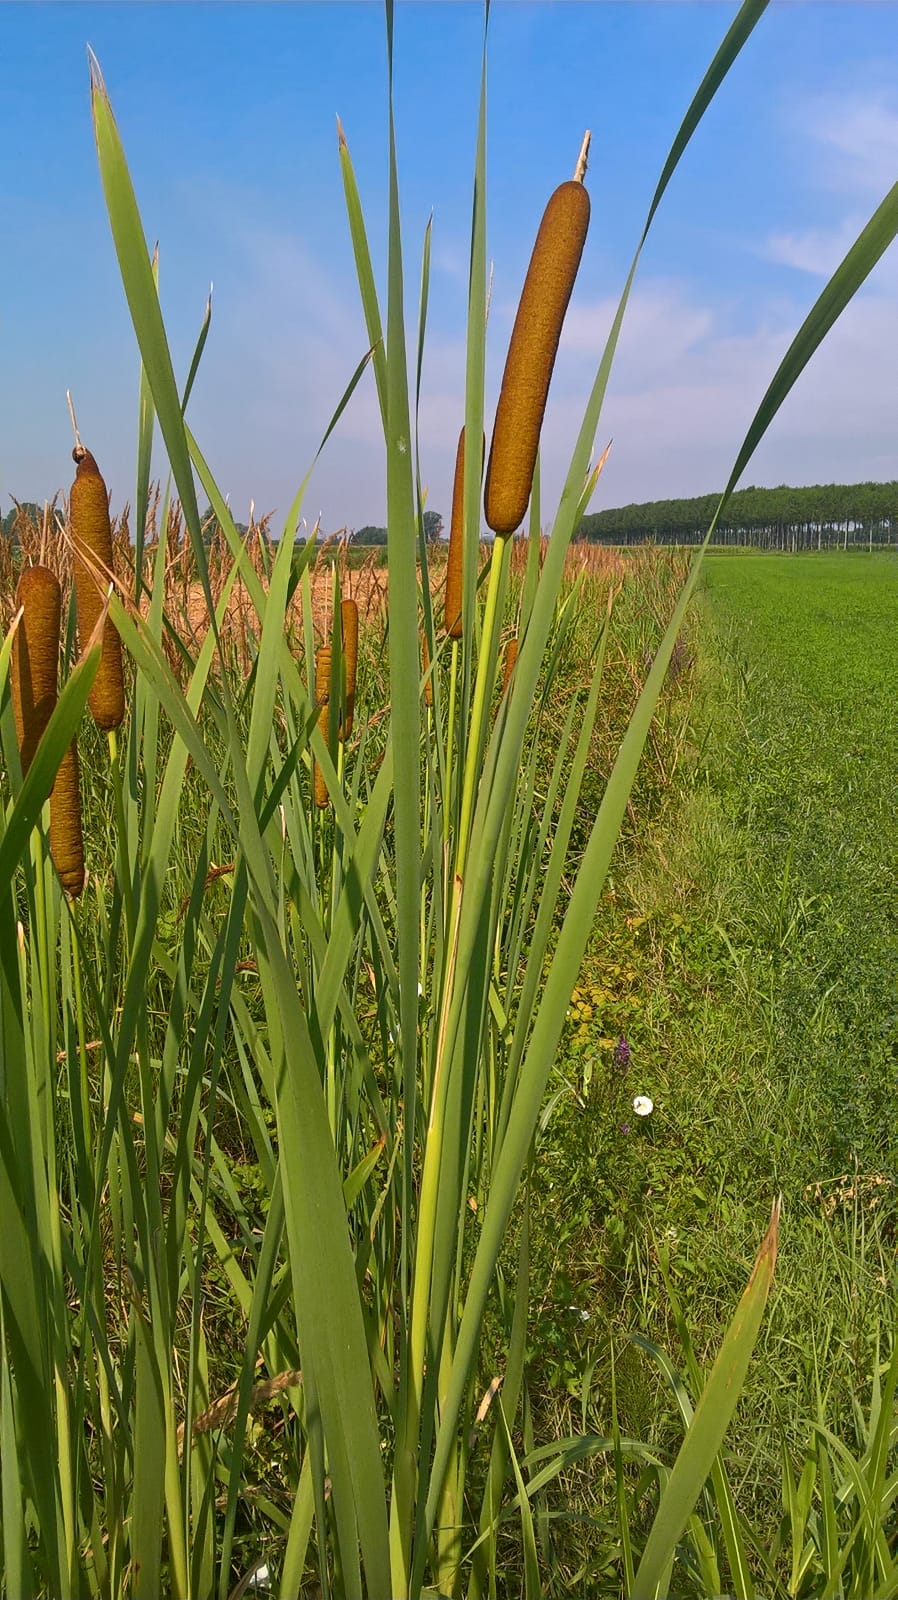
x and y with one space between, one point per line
68 399
583 158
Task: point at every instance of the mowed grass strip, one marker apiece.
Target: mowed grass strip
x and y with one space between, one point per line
812 782
748 952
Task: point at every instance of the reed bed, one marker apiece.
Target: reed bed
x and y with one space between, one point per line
272 1084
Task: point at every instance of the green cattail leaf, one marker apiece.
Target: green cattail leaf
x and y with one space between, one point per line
149 1467
16 1562
197 353
364 271
136 271
145 420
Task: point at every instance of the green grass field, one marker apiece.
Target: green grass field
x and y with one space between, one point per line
754 976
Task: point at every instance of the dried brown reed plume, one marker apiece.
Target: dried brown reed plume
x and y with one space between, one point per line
39 538
582 559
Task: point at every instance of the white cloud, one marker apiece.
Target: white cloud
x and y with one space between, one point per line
818 250
685 387
689 374
661 325
857 136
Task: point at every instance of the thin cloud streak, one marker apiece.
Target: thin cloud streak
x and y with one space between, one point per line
683 391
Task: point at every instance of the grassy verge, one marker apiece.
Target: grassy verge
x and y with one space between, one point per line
747 953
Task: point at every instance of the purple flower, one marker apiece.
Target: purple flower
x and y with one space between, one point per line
625 1127
622 1054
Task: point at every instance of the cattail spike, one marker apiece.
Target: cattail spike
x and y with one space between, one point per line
35 658
66 837
452 604
583 158
319 781
322 698
92 570
78 445
531 356
323 675
349 621
34 666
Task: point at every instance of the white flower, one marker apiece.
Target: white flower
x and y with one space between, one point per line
643 1106
583 1315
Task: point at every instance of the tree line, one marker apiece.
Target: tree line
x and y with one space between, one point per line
819 517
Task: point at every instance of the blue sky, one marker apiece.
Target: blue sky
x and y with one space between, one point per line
227 113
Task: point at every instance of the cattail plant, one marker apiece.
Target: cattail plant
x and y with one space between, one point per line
35 657
531 353
349 622
323 675
66 836
322 700
34 667
92 569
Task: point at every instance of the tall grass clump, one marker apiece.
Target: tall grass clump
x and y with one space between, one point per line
270 1088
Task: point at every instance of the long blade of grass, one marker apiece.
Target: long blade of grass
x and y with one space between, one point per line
16 1563
712 1415
743 1585
532 1585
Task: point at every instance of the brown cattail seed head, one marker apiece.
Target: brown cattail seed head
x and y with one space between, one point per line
531 356
511 656
35 657
452 605
92 568
426 674
349 621
323 675
319 782
66 839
